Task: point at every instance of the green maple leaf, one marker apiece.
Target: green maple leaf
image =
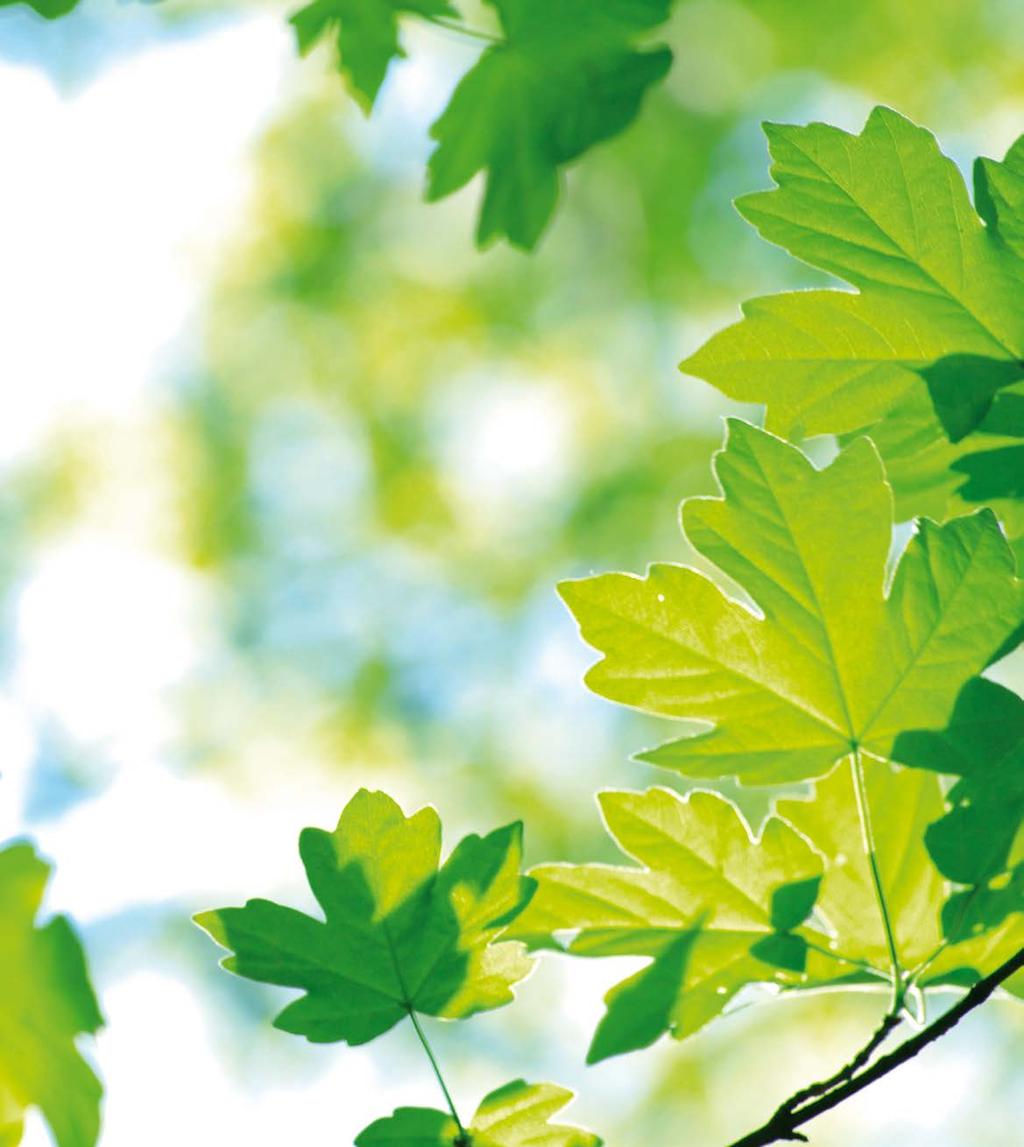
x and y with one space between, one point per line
565 77
716 909
831 664
367 35
973 843
904 804
516 1115
938 298
46 1001
400 934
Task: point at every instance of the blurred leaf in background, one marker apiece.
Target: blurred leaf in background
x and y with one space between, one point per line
46 1003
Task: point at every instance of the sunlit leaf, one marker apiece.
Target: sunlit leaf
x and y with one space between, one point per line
46 1002
400 934
832 664
938 295
516 1115
715 908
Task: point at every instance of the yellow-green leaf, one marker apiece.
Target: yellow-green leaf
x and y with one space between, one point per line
826 662
46 1002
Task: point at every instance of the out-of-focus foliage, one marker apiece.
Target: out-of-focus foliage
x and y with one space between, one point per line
516 1115
564 78
51 9
341 457
46 1003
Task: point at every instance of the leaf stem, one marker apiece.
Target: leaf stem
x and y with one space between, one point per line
461 29
463 1139
867 833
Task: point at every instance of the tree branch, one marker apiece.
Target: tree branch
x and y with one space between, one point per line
819 1098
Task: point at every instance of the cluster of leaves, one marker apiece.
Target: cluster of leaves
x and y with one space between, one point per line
927 354
829 664
818 677
555 78
559 77
403 935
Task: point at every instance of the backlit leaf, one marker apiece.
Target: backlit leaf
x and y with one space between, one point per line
706 895
938 296
516 1115
831 663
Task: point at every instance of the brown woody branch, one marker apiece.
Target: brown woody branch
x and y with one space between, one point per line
813 1101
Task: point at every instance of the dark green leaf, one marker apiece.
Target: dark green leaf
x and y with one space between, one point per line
367 35
400 934
565 78
51 9
983 745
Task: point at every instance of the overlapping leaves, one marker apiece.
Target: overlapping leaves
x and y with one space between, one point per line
516 1115
719 911
400 933
978 842
830 664
715 909
560 77
46 1002
937 314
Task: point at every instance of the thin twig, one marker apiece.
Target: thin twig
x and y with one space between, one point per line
796 1111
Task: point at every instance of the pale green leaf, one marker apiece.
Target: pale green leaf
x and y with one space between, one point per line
399 934
902 804
516 1115
46 1002
831 663
706 893
889 213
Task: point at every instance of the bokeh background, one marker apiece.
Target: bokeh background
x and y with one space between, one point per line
289 472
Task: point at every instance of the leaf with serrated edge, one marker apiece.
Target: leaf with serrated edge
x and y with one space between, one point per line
704 897
366 33
46 1002
399 934
888 212
832 663
516 1115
